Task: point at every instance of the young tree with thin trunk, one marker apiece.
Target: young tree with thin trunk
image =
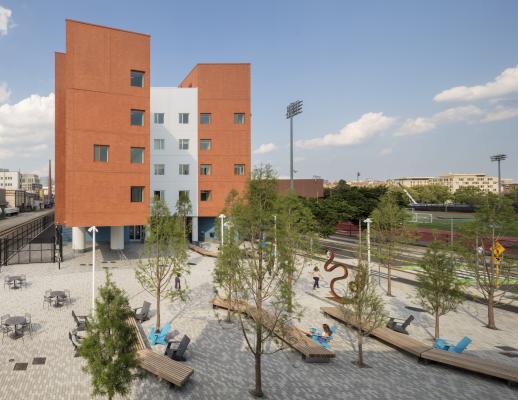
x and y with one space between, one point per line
389 232
109 346
364 307
164 256
438 288
183 209
494 218
262 219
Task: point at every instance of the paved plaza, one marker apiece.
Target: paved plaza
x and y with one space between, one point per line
223 366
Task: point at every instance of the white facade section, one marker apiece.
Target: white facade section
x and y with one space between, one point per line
10 180
168 144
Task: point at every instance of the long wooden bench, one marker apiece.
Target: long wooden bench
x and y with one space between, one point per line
165 368
428 353
293 337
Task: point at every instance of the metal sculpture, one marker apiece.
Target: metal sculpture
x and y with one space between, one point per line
329 266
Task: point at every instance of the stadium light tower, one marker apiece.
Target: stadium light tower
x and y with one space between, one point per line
498 158
293 109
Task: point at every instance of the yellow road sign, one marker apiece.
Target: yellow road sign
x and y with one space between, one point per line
498 250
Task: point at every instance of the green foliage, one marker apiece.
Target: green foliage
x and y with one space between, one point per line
438 288
164 256
470 195
364 305
183 209
431 194
109 347
389 231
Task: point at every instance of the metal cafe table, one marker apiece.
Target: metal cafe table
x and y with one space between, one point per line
59 295
16 321
16 281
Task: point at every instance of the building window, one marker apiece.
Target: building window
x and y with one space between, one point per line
137 155
137 118
137 78
184 169
158 118
183 144
205 195
239 118
205 169
239 169
137 194
183 194
159 144
159 169
158 195
205 144
183 118
100 153
205 118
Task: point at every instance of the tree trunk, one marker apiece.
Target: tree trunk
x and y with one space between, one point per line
157 309
290 298
491 311
258 392
360 350
389 280
229 306
436 325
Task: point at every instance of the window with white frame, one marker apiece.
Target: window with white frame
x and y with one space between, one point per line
183 169
159 144
158 118
205 169
183 118
183 144
159 169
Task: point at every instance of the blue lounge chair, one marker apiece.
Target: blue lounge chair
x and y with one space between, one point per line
162 336
440 344
461 346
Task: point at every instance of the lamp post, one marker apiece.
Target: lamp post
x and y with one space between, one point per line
93 230
222 218
274 240
368 221
293 109
498 158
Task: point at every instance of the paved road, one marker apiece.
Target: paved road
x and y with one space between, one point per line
21 218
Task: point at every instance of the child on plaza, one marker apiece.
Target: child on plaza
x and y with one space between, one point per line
316 278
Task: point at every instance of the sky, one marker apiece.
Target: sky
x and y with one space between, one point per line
390 88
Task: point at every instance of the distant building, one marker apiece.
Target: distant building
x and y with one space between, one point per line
30 183
367 183
452 181
10 179
309 188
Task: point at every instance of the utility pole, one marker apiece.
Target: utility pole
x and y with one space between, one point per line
93 230
222 218
293 109
498 158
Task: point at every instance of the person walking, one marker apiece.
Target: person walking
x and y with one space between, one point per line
316 278
177 282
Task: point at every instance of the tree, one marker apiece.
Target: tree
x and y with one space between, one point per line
431 194
229 258
438 288
267 263
494 218
183 209
109 346
470 195
364 306
389 231
164 256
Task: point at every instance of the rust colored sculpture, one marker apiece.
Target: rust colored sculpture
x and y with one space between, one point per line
329 266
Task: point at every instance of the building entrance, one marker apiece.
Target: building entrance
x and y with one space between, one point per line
136 233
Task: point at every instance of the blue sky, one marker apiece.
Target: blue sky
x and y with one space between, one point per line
375 77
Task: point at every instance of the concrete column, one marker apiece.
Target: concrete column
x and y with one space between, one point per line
194 229
117 238
78 239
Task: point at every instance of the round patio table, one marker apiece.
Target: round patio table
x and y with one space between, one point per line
14 280
59 295
16 321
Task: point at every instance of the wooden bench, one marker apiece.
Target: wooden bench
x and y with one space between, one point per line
293 337
165 368
428 353
202 251
474 364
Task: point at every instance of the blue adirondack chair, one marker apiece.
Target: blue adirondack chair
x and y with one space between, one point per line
152 335
162 336
441 344
461 346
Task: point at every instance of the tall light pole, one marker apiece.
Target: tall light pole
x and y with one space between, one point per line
274 240
222 218
498 158
293 109
93 230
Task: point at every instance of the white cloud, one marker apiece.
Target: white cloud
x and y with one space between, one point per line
367 126
386 151
27 129
415 126
5 93
500 113
5 20
266 148
504 84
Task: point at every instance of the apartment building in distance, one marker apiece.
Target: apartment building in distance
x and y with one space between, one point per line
10 180
102 132
30 183
453 181
121 143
